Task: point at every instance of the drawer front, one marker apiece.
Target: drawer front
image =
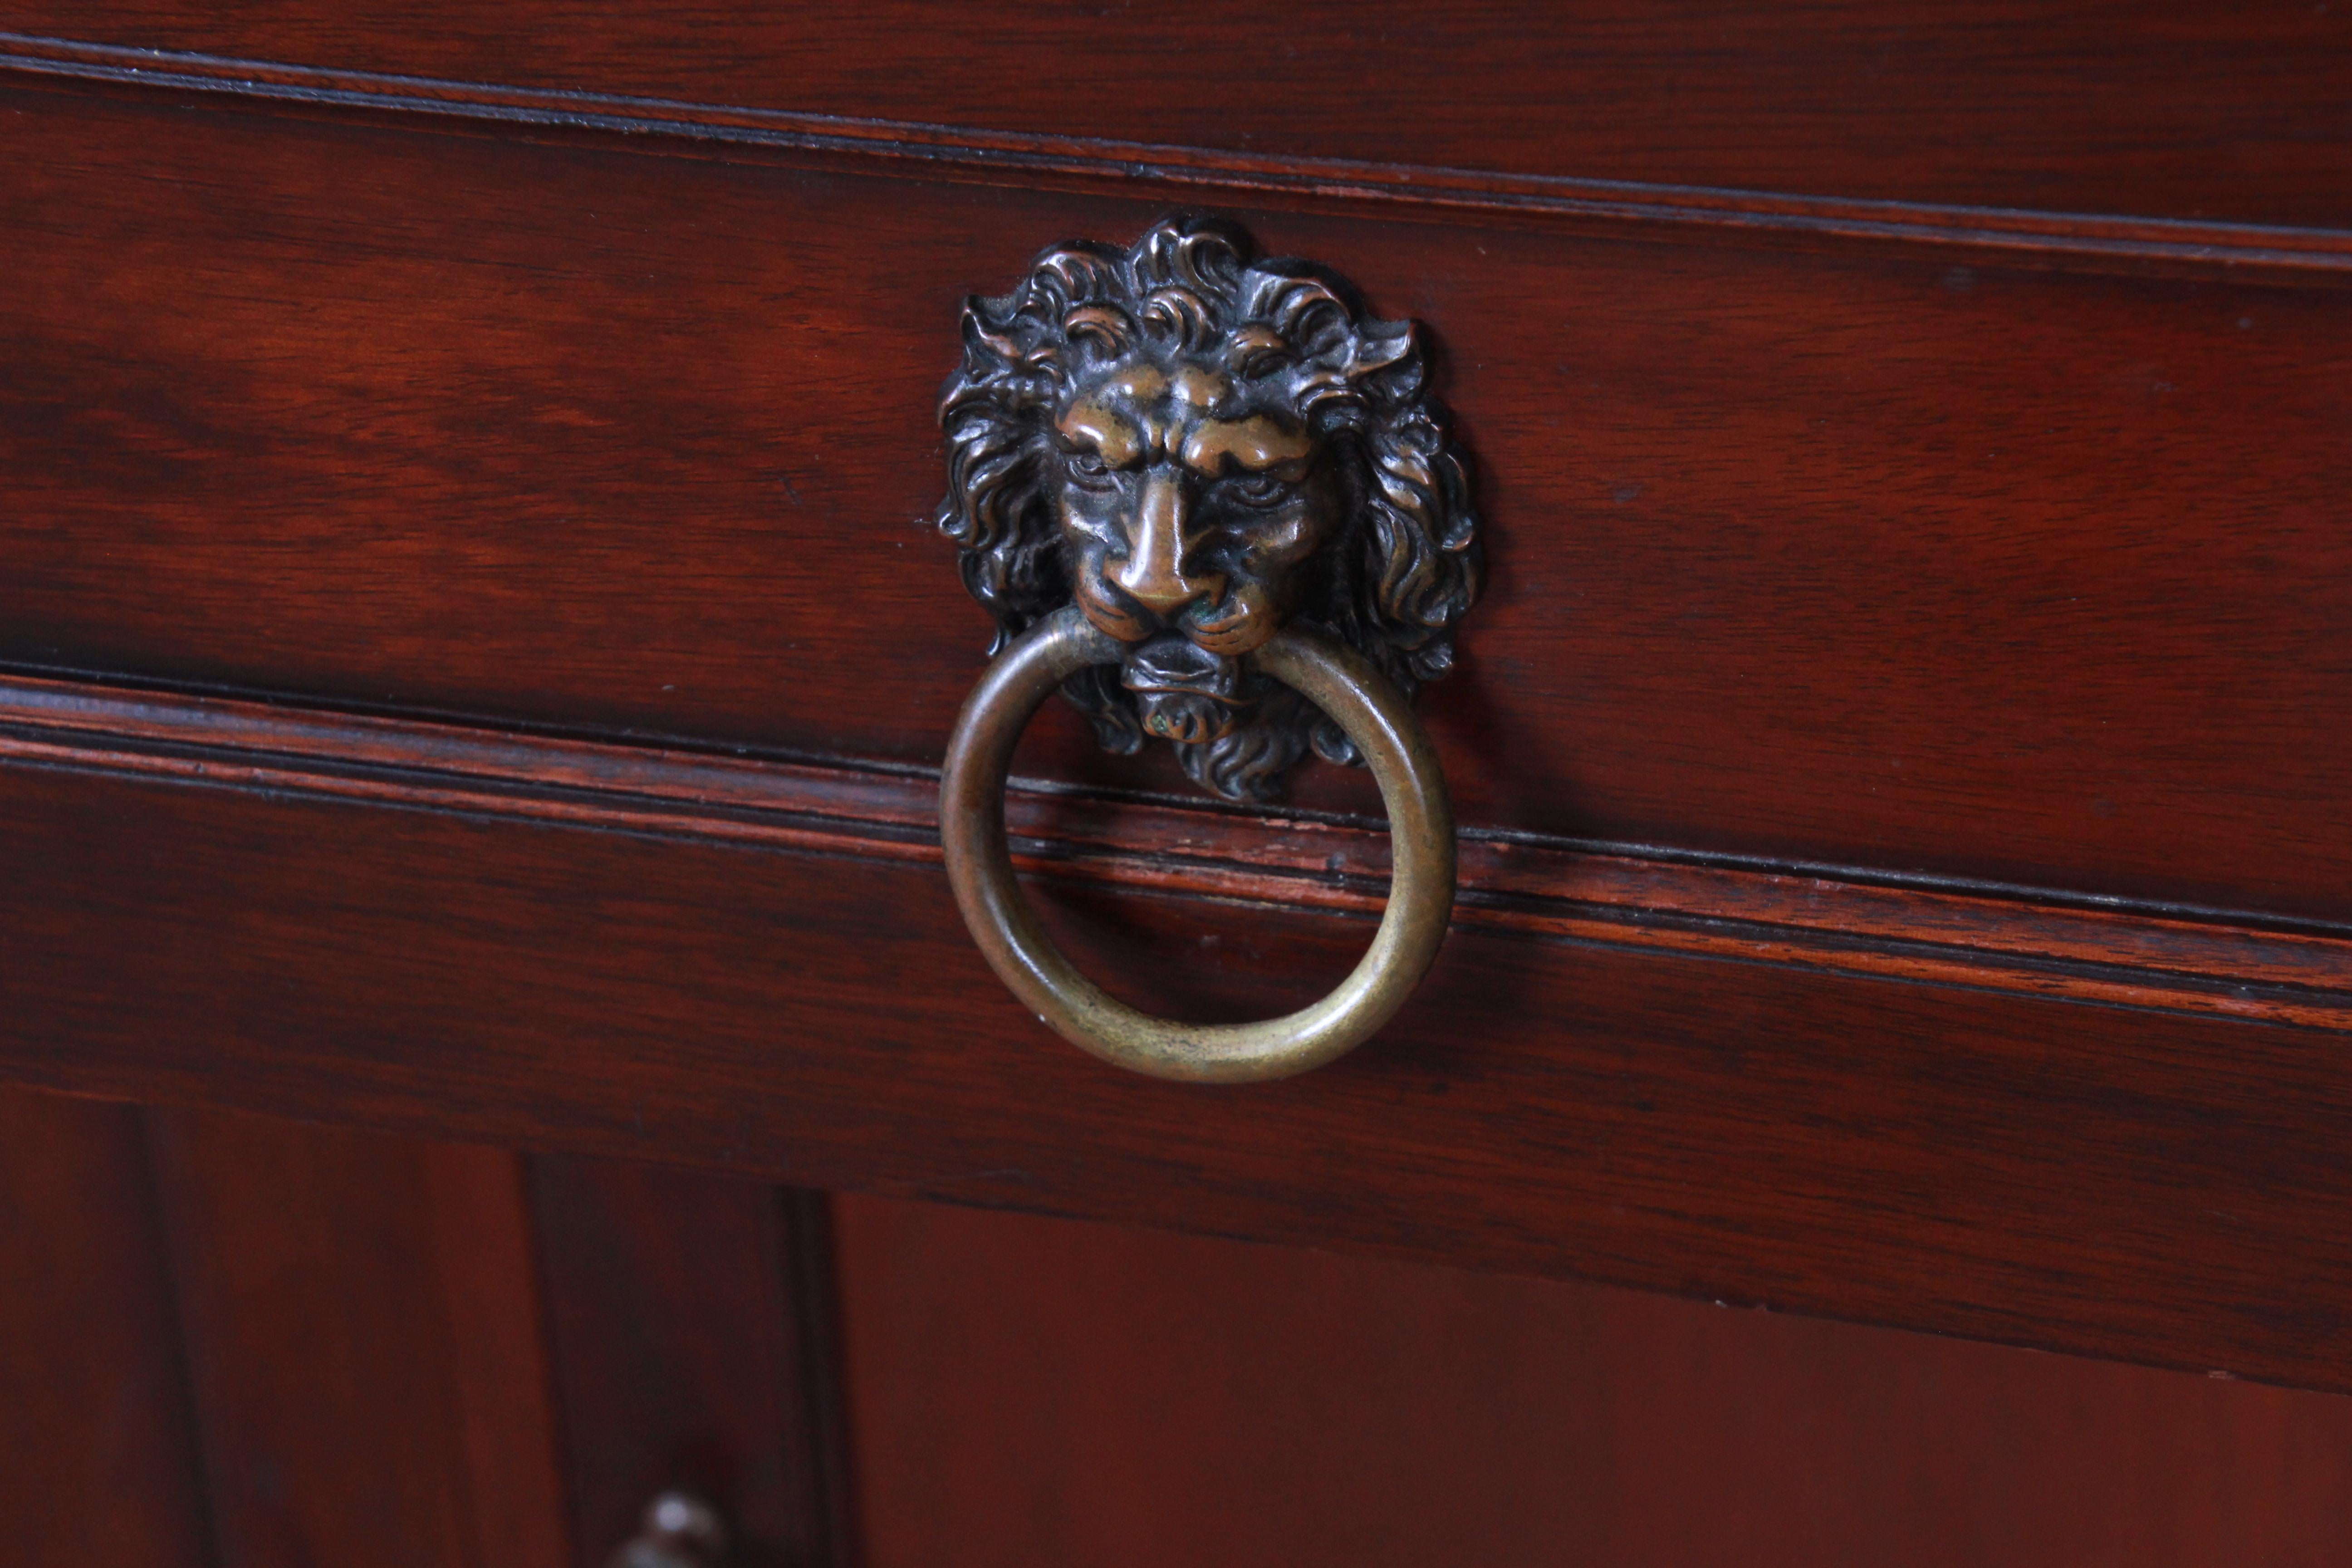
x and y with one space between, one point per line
477 658
1912 562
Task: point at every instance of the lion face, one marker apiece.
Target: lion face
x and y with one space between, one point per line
1188 495
1196 446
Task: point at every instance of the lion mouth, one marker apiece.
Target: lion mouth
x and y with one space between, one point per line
1182 692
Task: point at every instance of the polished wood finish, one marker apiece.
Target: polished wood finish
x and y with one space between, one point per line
1956 580
1123 169
1995 939
100 1461
2121 1182
476 661
362 1325
235 1342
1038 1392
2176 110
1031 1391
692 1323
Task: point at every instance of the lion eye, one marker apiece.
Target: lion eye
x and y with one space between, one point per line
1088 469
1258 490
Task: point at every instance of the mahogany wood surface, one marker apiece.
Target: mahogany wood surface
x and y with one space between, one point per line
2165 1188
1998 939
234 1342
690 1320
100 1461
1863 616
1049 161
1029 1391
2173 110
1856 559
1043 1393
473 666
364 1333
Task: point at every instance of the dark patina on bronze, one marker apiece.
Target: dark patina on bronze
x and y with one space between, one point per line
1210 499
1196 446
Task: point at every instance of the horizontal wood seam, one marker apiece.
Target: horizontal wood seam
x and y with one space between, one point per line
2092 240
2118 956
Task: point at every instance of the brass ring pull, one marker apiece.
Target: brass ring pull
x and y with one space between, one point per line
1374 715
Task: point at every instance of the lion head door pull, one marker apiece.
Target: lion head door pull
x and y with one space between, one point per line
1208 497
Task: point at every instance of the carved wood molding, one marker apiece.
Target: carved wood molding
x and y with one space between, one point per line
2072 241
2030 941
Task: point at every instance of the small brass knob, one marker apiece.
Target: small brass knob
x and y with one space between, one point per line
679 1530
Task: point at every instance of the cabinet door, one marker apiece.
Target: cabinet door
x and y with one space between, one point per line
233 1341
249 1344
1038 1391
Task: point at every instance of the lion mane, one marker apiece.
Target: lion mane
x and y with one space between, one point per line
1392 583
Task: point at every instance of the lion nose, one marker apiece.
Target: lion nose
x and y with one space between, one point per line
1153 573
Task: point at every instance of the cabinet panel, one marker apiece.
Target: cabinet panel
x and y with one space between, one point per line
1035 1392
690 1316
363 1327
398 1351
100 1461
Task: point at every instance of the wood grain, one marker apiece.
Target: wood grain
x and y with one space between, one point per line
363 1320
1032 1391
2175 110
401 1356
690 1320
1128 170
1961 579
2023 577
2004 939
2160 1188
100 1461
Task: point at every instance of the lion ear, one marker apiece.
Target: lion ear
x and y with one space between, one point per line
982 337
989 347
1387 362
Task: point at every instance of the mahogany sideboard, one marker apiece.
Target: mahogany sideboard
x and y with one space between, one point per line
478 653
